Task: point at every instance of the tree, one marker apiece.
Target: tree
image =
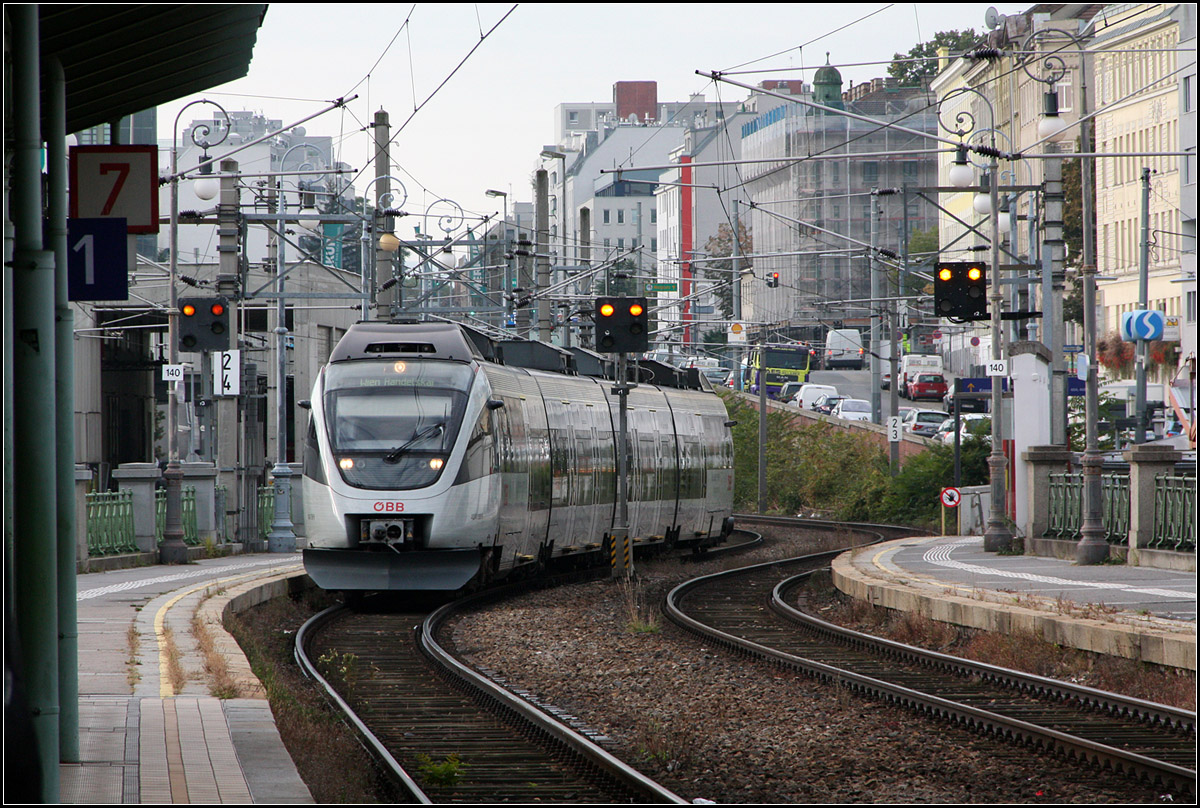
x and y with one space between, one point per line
721 246
919 73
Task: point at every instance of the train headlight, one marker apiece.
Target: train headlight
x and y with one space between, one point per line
400 367
436 463
346 463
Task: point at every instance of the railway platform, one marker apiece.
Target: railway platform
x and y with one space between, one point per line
150 728
1134 612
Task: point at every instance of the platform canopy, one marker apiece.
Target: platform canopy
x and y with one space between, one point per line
122 59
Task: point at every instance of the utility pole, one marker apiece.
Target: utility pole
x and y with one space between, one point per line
762 421
542 327
585 259
876 398
225 442
1052 320
387 303
1143 304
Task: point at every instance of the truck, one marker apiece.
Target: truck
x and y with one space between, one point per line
844 349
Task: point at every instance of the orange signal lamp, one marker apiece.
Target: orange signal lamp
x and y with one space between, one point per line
189 310
607 310
636 310
974 273
945 274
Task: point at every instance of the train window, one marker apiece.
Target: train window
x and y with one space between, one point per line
394 422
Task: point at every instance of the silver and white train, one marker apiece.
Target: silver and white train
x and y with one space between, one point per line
436 460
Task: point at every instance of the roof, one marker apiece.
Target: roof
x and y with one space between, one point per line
122 59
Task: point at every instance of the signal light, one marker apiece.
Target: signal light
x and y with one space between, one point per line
622 325
960 291
773 281
204 325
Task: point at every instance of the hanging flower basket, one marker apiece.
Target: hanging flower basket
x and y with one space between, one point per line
1164 354
1115 354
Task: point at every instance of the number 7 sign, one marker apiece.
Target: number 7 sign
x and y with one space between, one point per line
116 182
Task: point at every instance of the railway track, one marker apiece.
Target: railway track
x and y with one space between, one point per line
445 733
448 734
753 610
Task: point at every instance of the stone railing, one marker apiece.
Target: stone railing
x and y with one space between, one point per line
1148 515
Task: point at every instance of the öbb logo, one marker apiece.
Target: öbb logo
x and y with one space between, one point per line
389 507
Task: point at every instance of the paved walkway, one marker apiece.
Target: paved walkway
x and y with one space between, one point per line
1136 612
149 729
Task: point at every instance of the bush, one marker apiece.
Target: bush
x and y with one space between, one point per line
821 468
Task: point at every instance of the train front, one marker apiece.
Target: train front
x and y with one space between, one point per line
391 502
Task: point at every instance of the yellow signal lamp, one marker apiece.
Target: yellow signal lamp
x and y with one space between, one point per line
188 310
945 274
607 310
636 309
974 273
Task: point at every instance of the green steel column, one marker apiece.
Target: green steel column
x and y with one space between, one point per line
64 401
35 525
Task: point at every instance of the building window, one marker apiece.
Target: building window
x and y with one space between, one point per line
620 216
620 244
653 245
653 216
606 216
870 171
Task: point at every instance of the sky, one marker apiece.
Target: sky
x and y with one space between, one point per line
471 88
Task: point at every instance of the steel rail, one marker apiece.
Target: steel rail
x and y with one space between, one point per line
970 716
373 744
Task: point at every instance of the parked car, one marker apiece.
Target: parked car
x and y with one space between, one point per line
927 385
809 393
885 378
827 402
923 422
852 409
789 391
974 424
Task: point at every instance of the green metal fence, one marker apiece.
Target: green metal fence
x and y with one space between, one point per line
191 535
110 523
1066 507
1174 513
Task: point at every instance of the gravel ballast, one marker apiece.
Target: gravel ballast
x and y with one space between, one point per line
712 725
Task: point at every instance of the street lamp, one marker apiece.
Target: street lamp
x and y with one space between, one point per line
173 550
1092 547
997 537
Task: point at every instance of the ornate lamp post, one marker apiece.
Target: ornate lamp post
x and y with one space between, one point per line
1092 548
996 537
173 550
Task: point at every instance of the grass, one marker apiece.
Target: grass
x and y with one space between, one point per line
134 641
327 754
640 617
175 673
1019 650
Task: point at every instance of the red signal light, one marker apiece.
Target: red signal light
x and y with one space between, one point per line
218 309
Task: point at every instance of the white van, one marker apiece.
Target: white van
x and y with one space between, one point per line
911 365
809 393
844 349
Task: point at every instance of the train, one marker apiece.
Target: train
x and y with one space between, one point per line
438 459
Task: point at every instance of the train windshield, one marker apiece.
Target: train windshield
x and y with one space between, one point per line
392 424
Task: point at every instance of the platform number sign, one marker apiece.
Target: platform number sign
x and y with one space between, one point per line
227 373
97 259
